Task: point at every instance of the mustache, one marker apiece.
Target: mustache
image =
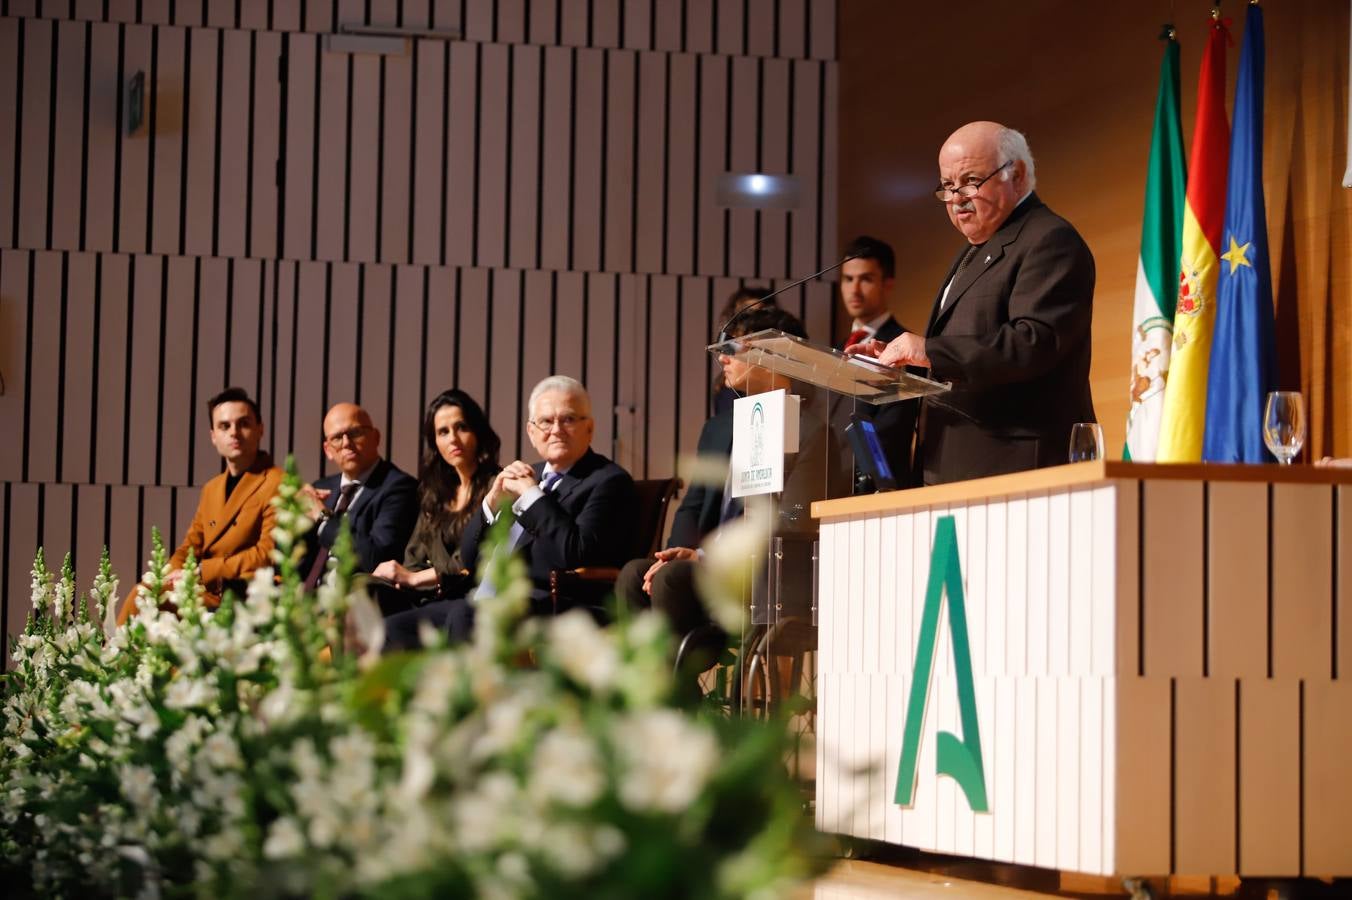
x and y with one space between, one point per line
965 206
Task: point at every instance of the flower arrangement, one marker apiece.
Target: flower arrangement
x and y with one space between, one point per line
245 752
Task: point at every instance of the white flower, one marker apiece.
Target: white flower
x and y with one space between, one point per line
185 692
437 681
284 839
138 786
567 768
585 653
667 759
733 555
220 751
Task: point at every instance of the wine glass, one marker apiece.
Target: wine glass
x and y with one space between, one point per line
1284 425
1086 442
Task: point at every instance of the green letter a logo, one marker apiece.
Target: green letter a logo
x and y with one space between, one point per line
959 758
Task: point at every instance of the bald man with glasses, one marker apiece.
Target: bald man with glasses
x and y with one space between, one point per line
378 499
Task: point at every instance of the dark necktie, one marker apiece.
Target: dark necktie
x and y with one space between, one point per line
966 258
345 496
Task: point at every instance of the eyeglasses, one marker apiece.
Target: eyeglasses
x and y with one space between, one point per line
968 190
354 434
565 423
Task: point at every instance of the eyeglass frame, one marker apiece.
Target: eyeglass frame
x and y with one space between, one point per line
352 435
563 423
969 190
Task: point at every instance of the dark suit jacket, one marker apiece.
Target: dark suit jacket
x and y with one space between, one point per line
1014 339
894 422
587 519
381 518
805 476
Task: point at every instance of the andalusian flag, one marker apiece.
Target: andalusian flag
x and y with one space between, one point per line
1195 312
1157 269
1244 348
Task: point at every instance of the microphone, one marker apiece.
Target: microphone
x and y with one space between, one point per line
741 313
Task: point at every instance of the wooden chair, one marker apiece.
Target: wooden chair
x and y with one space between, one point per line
590 585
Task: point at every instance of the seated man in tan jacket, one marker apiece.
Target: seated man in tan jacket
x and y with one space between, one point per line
231 532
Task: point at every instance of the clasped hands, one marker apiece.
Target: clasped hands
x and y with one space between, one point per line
514 480
906 350
664 557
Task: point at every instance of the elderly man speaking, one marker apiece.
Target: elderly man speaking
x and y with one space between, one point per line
1010 325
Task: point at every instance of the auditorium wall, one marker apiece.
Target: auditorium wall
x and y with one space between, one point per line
1080 80
316 226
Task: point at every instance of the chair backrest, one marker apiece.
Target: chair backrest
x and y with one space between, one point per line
654 497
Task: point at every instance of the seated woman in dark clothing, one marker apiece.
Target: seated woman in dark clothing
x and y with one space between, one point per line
458 464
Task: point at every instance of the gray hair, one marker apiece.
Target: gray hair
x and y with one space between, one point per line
561 383
1013 145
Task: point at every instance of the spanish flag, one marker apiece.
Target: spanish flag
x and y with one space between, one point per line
1184 417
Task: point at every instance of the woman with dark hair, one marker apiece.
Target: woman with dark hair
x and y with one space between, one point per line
458 464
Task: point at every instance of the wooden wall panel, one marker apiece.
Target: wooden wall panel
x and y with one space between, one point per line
15 272
167 97
429 135
310 404
44 377
203 141
1172 579
585 237
331 174
134 163
105 133
649 189
1237 586
363 174
176 371
462 154
1327 746
1143 828
210 366
9 133
525 150
558 119
1204 776
35 134
1302 601
22 537
1269 777
91 536
620 162
302 127
264 195
67 189
443 335
1342 636
494 155
76 379
407 394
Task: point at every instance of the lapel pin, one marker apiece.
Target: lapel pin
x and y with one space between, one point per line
988 259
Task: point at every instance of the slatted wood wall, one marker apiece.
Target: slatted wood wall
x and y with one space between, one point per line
317 226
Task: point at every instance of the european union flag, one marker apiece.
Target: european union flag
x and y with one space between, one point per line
1243 351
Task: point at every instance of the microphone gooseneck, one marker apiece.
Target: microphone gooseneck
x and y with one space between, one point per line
741 313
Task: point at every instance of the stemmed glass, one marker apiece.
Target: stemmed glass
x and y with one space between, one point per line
1086 442
1284 425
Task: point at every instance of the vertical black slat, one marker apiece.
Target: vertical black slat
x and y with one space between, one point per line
558 24
821 170
666 158
760 159
554 321
685 28
121 128
727 162
620 5
390 359
127 362
591 18
152 130
380 160
708 329
238 18
648 356
463 34
216 173
494 34
28 364
1269 580
314 158
141 536
525 26
540 157
276 318
676 399
698 157
284 76
192 377
746 27
774 46
346 207
807 31
488 345
412 139
634 159
61 357
455 317
183 155
445 148
652 25
1206 580
617 341
293 376
94 365
53 96
4 555
520 352
572 152
605 147
422 340
586 326
159 384
41 528
788 145
507 155
229 323
328 339
84 132
262 314
302 15
249 160
361 318
478 116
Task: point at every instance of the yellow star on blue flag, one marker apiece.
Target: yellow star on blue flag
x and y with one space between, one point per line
1236 255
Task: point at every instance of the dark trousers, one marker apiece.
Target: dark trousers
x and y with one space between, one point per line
673 593
454 617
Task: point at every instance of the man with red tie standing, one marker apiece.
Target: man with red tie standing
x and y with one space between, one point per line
865 286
